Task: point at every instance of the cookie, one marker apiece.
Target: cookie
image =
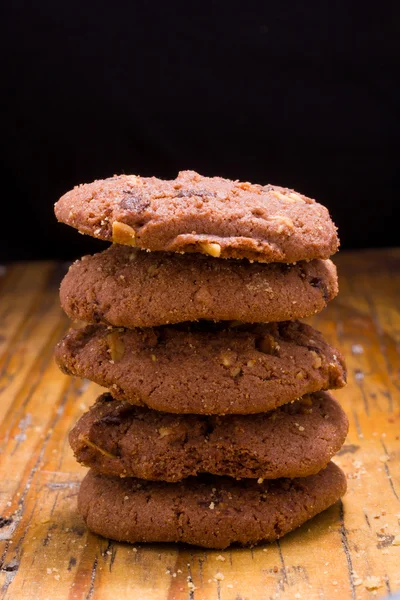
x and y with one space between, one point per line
129 288
296 440
211 215
206 368
208 511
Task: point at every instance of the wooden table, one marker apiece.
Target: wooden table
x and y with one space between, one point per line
46 552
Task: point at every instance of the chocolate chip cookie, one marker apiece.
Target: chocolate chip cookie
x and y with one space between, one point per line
211 215
296 440
205 368
129 288
209 511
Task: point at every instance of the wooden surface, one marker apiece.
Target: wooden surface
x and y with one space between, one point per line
47 553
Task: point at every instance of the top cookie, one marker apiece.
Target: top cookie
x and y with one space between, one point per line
211 215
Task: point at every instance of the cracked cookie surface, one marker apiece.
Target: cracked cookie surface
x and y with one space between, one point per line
209 511
296 440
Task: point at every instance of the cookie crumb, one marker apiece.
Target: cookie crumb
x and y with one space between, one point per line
359 375
219 577
212 505
220 557
357 349
372 582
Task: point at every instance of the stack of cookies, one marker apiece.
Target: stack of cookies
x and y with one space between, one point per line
217 427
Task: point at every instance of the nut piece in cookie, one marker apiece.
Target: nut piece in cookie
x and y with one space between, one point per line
123 234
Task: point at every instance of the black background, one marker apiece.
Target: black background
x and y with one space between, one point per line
301 94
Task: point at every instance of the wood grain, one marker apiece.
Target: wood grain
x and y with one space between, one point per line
45 550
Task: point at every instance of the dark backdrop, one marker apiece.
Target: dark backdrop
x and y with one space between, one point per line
302 94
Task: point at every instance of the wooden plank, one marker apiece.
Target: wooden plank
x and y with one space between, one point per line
45 549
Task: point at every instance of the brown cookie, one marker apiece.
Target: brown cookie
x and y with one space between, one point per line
206 368
296 440
210 511
129 288
223 218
